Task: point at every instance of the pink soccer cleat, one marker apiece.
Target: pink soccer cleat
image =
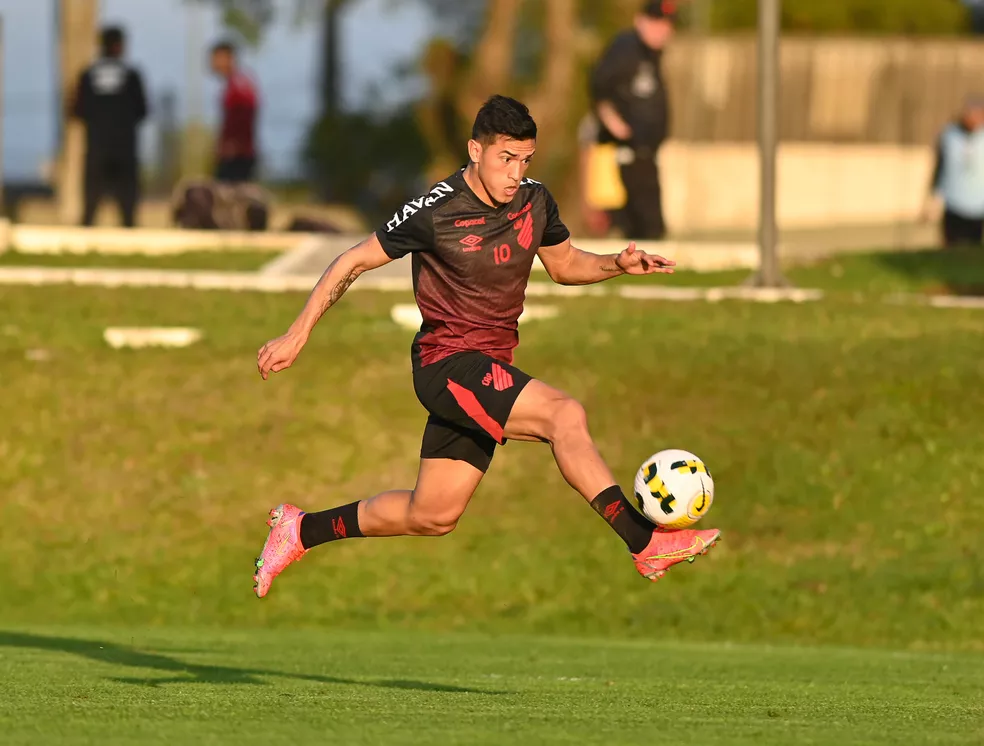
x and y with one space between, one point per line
282 547
668 548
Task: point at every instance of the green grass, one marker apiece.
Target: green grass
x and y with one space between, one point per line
878 273
240 260
95 686
845 442
843 439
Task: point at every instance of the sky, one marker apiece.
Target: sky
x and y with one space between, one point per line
168 42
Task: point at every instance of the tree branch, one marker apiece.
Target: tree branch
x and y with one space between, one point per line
492 68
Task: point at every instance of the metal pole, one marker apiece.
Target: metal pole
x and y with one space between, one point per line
769 274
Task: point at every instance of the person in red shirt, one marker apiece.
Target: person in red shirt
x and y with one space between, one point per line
472 240
236 151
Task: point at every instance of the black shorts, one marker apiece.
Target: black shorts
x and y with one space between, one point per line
469 396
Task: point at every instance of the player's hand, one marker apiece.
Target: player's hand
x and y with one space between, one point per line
634 261
279 354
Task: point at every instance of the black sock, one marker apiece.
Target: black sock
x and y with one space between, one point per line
635 530
330 525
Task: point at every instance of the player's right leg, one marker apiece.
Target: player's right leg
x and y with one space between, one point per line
542 413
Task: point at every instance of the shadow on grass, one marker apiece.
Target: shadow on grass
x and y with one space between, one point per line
954 271
193 673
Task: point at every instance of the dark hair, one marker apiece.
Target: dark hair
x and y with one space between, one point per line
112 39
224 46
506 117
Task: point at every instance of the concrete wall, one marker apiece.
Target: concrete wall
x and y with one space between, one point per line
711 187
878 90
858 120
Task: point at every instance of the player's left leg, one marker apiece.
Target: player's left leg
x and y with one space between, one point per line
452 464
542 413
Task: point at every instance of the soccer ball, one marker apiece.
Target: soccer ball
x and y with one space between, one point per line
674 489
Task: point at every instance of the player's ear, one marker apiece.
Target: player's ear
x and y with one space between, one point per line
474 151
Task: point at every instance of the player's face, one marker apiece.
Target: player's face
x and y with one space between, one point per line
502 165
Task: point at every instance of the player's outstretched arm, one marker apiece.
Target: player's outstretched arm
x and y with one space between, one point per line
280 353
568 265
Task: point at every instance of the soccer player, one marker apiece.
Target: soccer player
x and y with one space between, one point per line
472 240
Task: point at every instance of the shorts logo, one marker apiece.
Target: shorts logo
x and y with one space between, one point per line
500 378
469 223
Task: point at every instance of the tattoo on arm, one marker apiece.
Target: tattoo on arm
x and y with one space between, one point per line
339 290
611 265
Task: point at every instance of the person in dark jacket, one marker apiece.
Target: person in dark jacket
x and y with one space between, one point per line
111 102
630 100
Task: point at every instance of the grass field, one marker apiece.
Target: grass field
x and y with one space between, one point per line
233 261
953 272
207 687
845 445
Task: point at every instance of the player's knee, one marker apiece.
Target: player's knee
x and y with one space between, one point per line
569 420
424 523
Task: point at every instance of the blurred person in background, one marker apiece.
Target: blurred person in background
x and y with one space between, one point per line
957 188
111 102
630 100
236 149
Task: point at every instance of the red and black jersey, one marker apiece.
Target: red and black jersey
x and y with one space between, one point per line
239 106
471 264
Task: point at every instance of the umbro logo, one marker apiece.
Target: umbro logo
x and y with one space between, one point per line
471 242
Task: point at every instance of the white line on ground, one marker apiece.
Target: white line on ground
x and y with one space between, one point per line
253 281
119 337
408 315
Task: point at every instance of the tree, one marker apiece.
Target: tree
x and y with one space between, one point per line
77 38
850 16
537 50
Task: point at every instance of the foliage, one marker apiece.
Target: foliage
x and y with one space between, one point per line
848 16
373 160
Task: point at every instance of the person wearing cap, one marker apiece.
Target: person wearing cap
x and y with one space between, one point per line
630 100
958 177
110 101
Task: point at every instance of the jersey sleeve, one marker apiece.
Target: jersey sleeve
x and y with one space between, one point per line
555 232
411 229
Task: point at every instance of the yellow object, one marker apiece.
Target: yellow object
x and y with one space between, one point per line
605 188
